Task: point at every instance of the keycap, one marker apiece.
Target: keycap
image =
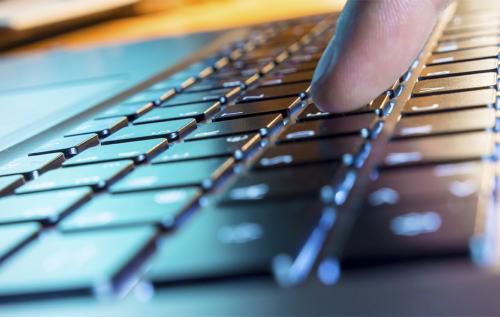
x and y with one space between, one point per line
429 182
13 237
264 124
450 84
449 122
32 166
482 65
470 34
70 146
284 106
90 263
236 240
168 84
439 149
416 229
448 46
131 111
356 125
465 55
97 176
299 182
237 146
478 24
46 207
294 67
280 79
102 128
171 130
162 208
379 106
315 151
147 96
200 112
270 92
9 183
197 97
204 173
453 101
138 152
215 84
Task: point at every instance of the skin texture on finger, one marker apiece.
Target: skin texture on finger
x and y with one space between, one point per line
375 42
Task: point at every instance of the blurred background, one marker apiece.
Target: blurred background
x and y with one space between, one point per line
34 25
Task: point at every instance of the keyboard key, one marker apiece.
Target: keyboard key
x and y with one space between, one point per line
428 182
475 25
294 67
200 112
317 151
454 101
97 176
32 166
264 125
70 146
13 237
450 122
237 147
284 106
91 263
228 241
379 106
304 182
465 55
360 125
9 183
270 92
171 130
280 79
416 229
198 97
131 111
148 96
470 34
102 128
449 46
440 149
138 151
47 207
157 207
204 173
483 65
450 84
215 84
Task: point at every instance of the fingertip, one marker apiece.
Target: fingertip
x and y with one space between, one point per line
376 42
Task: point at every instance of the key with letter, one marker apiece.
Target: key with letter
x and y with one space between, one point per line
97 176
35 207
90 263
232 241
202 173
32 166
162 207
138 151
171 130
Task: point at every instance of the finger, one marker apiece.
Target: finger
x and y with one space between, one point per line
375 42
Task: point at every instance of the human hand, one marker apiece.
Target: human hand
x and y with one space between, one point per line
375 42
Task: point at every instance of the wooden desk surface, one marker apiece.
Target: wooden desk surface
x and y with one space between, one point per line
181 17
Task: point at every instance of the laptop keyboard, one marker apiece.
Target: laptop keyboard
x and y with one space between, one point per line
227 169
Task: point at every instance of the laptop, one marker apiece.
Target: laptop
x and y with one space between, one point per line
195 176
